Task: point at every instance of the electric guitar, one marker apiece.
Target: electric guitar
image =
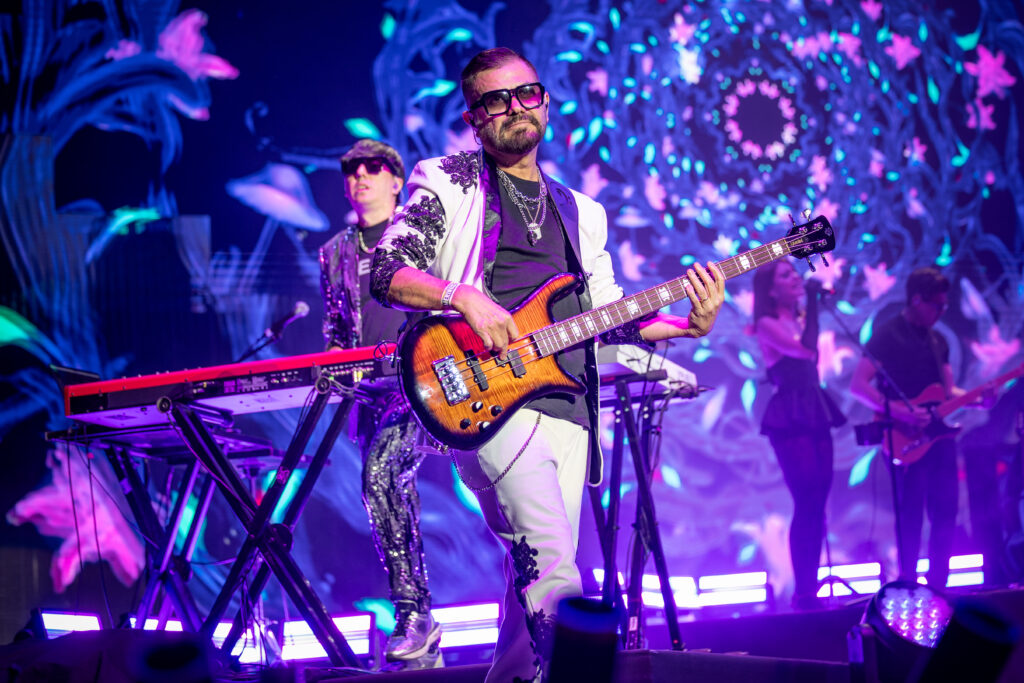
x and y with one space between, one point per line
910 444
462 394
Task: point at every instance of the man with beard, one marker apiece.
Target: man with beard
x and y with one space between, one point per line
481 232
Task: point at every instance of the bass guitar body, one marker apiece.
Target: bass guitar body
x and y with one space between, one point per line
460 392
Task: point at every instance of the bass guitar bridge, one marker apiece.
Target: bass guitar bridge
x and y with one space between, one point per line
450 378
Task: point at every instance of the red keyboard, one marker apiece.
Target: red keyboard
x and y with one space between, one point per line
249 387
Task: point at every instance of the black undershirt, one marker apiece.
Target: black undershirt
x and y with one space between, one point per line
378 323
520 268
912 355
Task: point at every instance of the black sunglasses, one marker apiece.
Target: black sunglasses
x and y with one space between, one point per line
373 165
498 102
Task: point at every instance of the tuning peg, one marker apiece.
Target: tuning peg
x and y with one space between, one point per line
810 264
807 214
824 260
791 219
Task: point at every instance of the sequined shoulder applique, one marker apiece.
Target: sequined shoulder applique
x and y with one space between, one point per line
463 168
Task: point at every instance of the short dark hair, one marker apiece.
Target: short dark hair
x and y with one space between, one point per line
368 147
927 283
486 60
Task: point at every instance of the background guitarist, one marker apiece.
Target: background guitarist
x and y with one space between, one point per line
916 356
481 231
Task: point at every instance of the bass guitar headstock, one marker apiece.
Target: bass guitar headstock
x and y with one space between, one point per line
816 236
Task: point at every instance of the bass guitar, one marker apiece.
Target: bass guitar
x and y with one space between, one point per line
910 444
462 394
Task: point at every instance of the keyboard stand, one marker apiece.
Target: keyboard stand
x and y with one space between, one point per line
626 427
267 545
272 541
167 572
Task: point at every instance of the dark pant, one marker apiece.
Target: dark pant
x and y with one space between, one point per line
930 484
806 462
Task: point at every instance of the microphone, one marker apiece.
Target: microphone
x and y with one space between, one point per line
300 310
815 286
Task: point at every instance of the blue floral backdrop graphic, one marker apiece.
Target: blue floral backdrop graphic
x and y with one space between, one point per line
704 128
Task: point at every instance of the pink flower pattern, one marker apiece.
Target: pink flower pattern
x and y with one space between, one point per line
821 175
876 166
630 261
654 192
991 74
872 8
915 151
680 32
877 280
849 45
994 353
598 81
744 301
56 512
831 355
979 115
182 43
123 50
903 51
593 181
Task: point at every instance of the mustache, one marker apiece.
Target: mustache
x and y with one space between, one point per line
510 121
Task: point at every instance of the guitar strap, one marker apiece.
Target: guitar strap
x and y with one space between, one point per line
492 219
567 214
936 358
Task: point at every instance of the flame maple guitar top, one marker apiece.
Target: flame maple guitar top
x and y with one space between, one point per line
496 388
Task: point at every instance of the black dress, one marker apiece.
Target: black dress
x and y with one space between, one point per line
799 405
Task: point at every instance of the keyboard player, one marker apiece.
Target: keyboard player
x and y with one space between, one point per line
387 433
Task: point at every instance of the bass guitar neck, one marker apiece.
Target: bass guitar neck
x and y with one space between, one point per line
462 394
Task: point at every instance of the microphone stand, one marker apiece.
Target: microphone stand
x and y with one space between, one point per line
887 425
263 341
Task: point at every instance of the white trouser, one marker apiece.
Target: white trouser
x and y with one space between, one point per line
535 511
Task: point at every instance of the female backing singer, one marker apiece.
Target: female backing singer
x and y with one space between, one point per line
800 414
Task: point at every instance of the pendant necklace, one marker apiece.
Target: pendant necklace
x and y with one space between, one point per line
534 210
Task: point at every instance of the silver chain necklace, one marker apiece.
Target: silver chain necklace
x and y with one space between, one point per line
359 234
362 244
534 210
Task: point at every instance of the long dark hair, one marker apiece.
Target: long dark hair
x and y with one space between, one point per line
765 302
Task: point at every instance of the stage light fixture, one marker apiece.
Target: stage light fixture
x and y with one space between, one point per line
900 627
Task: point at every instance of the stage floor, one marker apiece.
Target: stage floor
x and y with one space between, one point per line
793 647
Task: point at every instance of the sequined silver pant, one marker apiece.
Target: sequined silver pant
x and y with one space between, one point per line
389 437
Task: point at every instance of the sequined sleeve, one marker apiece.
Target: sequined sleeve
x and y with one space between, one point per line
418 228
626 334
414 235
